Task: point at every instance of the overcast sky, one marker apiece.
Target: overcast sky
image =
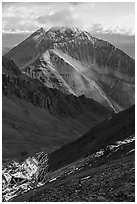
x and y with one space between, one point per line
114 22
102 17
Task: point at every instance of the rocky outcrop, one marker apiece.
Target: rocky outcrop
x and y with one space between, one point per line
21 177
9 67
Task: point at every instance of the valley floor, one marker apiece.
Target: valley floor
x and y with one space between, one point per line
112 182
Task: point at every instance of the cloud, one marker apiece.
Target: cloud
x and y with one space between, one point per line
12 24
60 18
69 17
34 15
98 28
95 17
75 3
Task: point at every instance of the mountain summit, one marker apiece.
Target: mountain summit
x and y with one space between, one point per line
77 63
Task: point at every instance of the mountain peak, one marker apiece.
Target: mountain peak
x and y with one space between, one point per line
99 69
59 33
41 30
64 28
38 32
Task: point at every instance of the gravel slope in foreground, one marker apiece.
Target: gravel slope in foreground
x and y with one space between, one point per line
114 181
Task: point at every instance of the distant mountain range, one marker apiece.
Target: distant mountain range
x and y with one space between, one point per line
5 50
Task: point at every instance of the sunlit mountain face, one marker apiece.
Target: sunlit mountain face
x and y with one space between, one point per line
82 63
126 43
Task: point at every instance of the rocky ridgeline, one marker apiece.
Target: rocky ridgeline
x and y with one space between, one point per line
18 178
88 49
89 66
32 90
92 51
43 70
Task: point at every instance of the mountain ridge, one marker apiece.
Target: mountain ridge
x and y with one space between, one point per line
31 110
108 69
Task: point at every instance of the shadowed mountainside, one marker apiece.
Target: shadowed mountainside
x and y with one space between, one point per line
36 117
116 128
104 155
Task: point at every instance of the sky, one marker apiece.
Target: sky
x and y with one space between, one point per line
20 19
28 16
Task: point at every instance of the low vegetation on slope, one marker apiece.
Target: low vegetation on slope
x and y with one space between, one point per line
119 127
